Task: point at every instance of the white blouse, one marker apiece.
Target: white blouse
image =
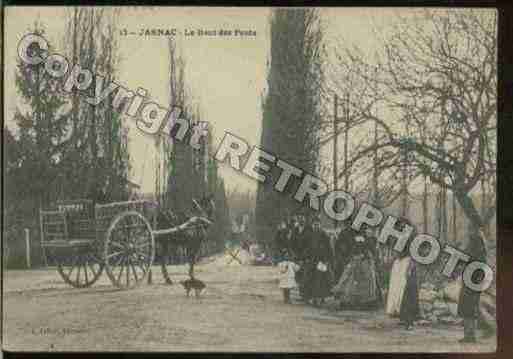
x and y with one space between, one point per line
288 271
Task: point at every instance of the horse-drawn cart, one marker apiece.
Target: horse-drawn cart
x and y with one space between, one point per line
85 239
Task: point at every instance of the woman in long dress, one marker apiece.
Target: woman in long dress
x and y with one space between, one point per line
320 280
302 240
402 299
358 285
343 247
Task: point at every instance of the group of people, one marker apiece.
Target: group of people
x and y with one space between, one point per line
305 256
307 261
351 271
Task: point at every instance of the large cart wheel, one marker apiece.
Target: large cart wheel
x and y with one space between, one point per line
129 249
80 266
173 261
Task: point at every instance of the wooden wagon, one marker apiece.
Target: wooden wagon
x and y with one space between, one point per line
85 239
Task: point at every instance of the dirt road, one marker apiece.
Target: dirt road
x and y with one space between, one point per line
240 311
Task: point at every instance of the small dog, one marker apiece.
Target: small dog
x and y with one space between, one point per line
191 284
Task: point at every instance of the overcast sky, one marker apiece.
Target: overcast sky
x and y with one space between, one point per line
227 75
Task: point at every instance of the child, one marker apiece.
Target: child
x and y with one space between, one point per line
288 271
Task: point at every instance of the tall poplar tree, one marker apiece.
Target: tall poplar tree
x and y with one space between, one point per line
291 107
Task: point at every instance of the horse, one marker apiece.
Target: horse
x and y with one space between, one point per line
190 238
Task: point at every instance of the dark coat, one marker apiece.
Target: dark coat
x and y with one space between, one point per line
281 240
309 253
468 304
410 304
343 247
294 242
320 248
302 241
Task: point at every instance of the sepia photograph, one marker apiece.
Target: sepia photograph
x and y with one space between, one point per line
256 179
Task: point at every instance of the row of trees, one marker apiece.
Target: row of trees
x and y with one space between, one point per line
59 147
183 173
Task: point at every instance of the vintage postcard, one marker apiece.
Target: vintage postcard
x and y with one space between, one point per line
249 179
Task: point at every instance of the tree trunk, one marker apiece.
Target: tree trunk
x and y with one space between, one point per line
471 212
469 209
442 214
454 218
484 208
425 208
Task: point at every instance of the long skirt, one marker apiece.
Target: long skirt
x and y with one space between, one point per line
305 279
397 286
320 285
410 310
358 283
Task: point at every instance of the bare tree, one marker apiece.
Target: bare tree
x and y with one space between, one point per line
381 166
433 96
